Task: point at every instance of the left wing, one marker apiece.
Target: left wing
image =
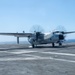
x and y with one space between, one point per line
17 34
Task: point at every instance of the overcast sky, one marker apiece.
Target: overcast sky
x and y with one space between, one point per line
21 15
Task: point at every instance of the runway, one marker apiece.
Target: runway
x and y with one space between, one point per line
43 60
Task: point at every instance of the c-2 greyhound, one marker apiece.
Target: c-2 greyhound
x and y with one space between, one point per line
37 38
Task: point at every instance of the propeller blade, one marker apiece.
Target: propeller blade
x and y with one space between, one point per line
36 28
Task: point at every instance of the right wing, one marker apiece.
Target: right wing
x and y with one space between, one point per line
18 34
64 32
69 32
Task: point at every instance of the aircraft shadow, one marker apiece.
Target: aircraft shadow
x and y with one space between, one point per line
41 46
50 47
63 46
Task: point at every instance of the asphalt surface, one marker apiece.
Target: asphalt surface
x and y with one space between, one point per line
43 60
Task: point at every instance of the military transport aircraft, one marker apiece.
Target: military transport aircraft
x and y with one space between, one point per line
37 38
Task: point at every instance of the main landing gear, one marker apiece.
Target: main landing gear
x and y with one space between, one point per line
33 45
53 44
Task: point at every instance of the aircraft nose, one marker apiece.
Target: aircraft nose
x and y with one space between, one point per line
61 37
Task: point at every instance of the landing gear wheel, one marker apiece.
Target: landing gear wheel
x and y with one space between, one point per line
53 44
33 46
60 44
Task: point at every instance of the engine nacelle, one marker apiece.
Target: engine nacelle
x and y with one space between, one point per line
56 37
39 36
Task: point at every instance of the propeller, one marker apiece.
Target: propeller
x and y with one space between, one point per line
60 29
36 28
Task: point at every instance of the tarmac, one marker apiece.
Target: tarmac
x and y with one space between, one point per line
44 60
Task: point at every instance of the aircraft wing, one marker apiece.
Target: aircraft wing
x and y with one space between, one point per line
17 34
64 32
69 32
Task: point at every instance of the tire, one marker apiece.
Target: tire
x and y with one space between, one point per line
53 44
33 46
60 44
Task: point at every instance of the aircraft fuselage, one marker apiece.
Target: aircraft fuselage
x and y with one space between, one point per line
46 38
